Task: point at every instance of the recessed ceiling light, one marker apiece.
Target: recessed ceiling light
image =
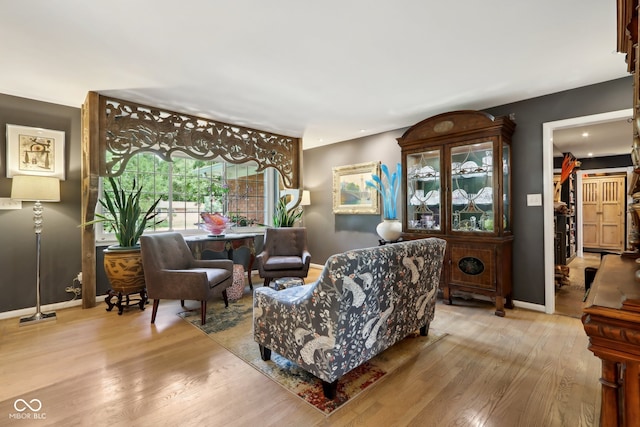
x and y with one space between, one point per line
585 134
362 130
590 154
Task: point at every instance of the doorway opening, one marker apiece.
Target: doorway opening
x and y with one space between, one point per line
602 213
548 130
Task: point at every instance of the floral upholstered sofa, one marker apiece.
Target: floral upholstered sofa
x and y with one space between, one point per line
364 301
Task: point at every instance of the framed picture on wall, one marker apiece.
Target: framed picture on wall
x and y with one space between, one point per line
350 193
35 151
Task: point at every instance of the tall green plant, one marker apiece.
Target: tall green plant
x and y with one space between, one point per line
124 214
284 217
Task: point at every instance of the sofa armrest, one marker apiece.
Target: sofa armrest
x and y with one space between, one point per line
261 260
306 258
297 326
263 256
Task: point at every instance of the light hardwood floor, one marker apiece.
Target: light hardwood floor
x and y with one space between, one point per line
93 368
569 298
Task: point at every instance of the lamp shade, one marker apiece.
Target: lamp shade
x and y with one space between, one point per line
306 198
35 188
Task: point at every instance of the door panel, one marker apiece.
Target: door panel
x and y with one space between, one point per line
603 207
590 237
590 228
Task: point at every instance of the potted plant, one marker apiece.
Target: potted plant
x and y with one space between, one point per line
388 186
123 214
284 217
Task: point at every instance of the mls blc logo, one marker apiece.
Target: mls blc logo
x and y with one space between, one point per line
28 410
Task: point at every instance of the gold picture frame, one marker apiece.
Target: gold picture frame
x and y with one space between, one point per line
35 151
350 193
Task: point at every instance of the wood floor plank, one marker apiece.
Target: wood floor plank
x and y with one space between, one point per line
92 367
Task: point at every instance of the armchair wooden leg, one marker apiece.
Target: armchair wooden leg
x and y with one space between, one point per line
203 312
226 299
267 280
182 303
156 302
330 389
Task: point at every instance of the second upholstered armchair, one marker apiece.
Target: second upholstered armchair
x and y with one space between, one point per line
171 272
284 254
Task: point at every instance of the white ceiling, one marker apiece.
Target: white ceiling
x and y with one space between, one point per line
594 140
325 71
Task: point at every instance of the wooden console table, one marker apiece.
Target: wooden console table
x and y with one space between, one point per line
612 321
200 245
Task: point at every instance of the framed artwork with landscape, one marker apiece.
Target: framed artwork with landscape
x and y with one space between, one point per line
350 192
35 151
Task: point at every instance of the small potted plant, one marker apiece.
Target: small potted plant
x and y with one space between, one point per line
123 214
284 217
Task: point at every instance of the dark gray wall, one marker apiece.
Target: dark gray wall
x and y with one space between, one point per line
332 233
60 248
528 256
327 233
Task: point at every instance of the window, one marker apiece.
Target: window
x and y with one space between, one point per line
187 187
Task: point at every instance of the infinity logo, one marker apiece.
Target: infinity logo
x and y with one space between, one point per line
21 405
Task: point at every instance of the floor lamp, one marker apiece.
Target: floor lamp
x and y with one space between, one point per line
38 189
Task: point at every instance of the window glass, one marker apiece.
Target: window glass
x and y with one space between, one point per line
188 186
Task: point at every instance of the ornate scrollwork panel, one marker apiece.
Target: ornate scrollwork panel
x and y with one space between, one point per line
129 128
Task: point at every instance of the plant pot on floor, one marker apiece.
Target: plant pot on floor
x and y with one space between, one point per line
123 266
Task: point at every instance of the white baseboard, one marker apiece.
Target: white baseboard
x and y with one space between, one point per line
46 308
318 266
529 306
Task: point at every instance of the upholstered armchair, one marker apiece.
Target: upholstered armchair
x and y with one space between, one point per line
284 254
171 272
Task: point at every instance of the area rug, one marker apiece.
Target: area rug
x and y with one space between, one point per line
233 329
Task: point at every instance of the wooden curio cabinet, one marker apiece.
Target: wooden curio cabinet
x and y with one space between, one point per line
457 186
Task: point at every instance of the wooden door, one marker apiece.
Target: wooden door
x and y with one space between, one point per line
603 208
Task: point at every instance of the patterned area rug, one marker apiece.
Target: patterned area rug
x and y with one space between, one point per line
233 329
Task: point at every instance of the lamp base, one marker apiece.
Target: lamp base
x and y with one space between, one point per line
36 318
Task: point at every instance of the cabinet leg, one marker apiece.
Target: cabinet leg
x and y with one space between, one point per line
632 391
609 415
446 296
499 306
